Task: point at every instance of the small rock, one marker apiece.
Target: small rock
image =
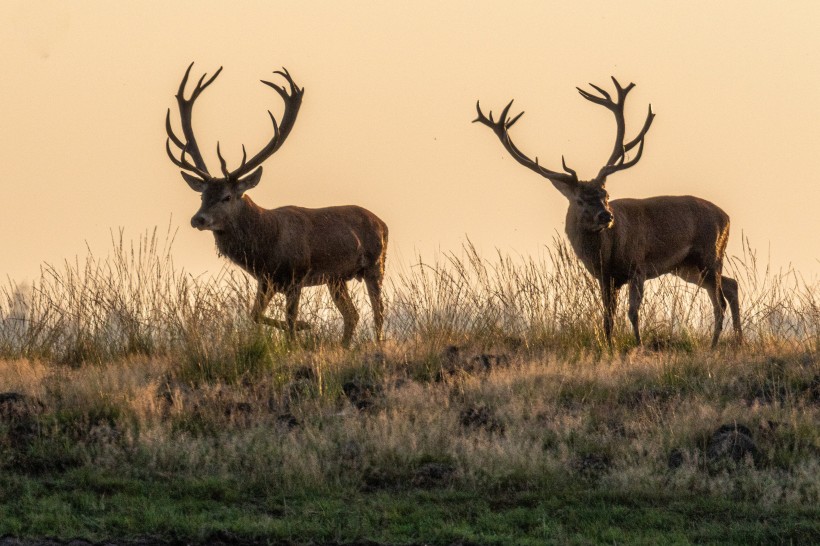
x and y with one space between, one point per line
732 442
433 475
593 465
288 421
16 407
675 459
362 394
304 372
480 417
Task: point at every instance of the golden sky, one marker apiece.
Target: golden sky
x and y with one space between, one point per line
385 123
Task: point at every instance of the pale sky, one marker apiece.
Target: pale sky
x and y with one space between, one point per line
385 123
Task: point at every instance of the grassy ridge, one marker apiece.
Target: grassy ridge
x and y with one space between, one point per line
145 403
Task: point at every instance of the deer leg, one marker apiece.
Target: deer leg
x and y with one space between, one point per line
341 297
374 290
712 284
264 293
730 290
609 292
635 299
292 295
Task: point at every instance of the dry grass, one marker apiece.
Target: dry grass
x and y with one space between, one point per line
493 377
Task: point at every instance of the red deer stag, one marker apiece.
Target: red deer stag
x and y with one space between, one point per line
287 248
628 241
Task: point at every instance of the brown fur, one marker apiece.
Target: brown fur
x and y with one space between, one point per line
682 235
288 248
629 241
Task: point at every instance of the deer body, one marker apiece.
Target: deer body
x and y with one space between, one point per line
628 241
650 236
295 245
288 248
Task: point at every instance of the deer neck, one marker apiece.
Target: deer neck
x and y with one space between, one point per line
242 240
591 247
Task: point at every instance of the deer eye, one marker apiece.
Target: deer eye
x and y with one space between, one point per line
226 198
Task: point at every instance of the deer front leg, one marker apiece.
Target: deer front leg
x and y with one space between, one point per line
264 293
609 293
635 299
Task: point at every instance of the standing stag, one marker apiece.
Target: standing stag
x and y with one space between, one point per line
287 248
628 241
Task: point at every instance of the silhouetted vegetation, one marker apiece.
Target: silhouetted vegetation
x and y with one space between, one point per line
137 400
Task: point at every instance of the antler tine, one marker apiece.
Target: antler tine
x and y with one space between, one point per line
622 91
500 128
177 162
189 145
285 74
606 100
502 119
513 120
621 164
182 162
617 159
481 117
570 171
184 82
174 138
200 87
649 118
222 164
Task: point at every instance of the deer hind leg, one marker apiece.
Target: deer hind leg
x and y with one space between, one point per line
730 291
341 297
635 299
713 285
374 290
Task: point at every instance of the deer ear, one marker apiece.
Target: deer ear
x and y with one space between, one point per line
568 190
250 181
196 183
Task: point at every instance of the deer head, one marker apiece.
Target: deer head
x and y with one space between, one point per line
221 196
589 198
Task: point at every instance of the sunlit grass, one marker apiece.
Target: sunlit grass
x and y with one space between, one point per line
494 378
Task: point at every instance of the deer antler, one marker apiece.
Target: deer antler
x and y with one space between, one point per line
617 160
189 146
281 130
501 127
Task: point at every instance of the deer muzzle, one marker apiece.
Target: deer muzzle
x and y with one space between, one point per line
200 222
605 219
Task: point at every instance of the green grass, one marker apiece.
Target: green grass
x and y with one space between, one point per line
100 506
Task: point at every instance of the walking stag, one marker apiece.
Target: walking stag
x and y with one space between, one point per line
287 248
627 241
